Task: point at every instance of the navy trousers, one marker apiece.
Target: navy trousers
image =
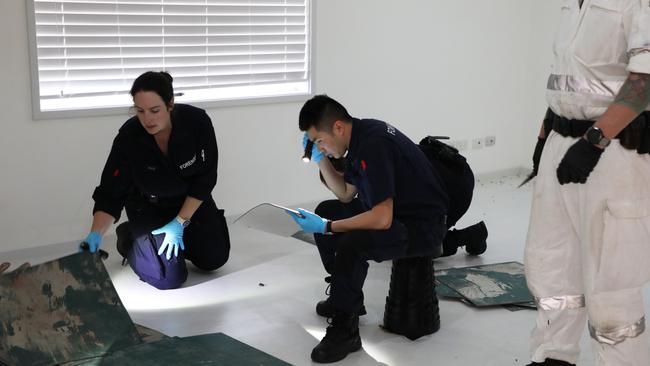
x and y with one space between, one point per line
345 255
206 239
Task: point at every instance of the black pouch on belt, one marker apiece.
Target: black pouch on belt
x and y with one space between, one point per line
632 135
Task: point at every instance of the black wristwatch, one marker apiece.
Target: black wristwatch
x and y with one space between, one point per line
595 136
185 223
328 227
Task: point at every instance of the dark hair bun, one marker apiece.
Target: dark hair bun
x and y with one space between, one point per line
167 76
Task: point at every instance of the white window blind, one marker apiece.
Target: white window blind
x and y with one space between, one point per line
90 51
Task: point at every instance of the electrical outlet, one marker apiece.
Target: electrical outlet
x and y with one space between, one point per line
490 141
477 143
460 145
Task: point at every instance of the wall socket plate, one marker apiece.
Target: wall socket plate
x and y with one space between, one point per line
477 143
490 141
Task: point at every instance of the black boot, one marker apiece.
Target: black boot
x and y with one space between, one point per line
341 338
450 244
551 362
325 307
474 237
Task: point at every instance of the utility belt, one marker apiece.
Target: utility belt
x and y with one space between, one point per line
635 136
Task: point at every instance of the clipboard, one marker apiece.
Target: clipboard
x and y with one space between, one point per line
274 219
295 212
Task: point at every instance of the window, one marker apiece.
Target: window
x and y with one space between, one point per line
86 53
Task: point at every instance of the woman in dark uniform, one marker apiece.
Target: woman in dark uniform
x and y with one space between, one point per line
162 169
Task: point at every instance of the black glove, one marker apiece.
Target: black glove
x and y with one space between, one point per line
537 154
578 162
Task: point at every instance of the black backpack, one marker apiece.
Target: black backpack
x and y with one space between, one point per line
455 172
439 152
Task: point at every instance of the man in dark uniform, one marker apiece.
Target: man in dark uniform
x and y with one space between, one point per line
162 169
401 213
458 182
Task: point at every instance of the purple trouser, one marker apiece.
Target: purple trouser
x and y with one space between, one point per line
207 243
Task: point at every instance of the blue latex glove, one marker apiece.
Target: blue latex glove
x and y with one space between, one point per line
173 238
310 222
316 155
94 240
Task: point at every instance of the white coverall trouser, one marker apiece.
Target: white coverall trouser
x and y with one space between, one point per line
588 255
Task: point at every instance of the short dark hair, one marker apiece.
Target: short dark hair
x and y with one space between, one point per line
321 112
158 82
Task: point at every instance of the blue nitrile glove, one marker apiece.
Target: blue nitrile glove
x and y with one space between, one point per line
173 238
310 222
94 240
316 155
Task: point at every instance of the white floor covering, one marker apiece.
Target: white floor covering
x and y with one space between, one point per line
266 294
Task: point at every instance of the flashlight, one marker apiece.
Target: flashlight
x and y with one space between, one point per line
308 148
86 247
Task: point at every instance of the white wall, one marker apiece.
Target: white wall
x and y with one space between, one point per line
431 67
462 68
543 23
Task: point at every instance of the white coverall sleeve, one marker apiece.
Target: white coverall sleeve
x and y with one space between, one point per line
639 39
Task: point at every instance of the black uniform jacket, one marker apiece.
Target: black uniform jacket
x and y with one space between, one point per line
136 169
383 163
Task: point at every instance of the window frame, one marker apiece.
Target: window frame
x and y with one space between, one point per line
38 114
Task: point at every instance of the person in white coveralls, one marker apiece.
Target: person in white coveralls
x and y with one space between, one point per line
587 253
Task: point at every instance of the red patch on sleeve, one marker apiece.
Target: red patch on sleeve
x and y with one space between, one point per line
116 173
363 165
